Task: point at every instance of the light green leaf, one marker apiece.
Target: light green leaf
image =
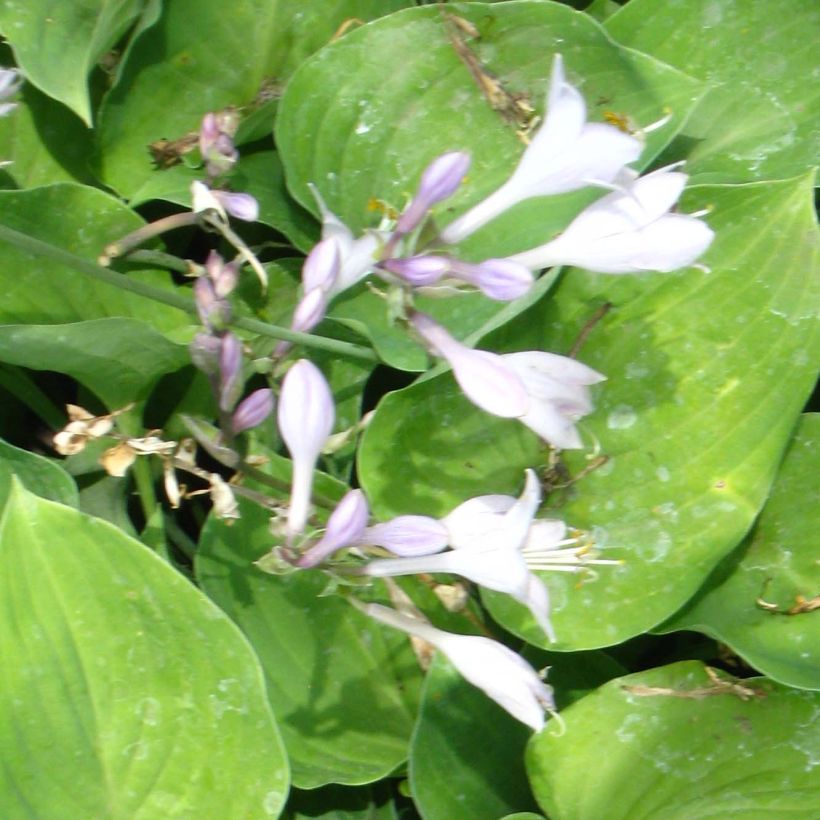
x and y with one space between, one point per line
260 175
37 474
467 755
759 120
707 374
57 44
216 60
83 220
45 142
655 745
343 689
359 130
778 563
118 359
133 695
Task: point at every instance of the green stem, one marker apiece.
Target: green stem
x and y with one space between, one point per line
145 487
118 280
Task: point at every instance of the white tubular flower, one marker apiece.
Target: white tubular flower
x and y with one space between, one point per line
566 153
306 414
628 231
546 392
487 550
357 257
500 673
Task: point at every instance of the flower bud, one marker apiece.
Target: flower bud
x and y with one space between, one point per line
252 411
230 372
305 415
344 528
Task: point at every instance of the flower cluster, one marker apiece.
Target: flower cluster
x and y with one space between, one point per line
497 542
494 541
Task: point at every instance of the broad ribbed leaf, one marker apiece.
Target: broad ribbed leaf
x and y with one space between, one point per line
37 474
57 44
759 120
82 220
777 566
707 374
130 694
342 688
363 117
119 359
674 744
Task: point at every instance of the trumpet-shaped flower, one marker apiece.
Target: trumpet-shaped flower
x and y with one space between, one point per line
487 550
500 673
566 153
629 230
305 417
547 392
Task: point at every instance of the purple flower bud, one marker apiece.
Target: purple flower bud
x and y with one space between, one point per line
204 350
306 415
223 277
408 535
500 279
440 180
214 313
419 270
310 311
344 529
242 206
216 146
230 372
321 266
253 410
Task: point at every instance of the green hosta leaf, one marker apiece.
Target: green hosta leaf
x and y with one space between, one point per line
759 119
260 175
82 220
45 142
707 373
467 754
648 746
341 687
133 695
119 359
216 59
777 564
37 474
359 130
57 44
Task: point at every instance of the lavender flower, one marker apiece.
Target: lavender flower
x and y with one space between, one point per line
502 675
566 153
345 528
252 411
306 414
628 231
547 392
